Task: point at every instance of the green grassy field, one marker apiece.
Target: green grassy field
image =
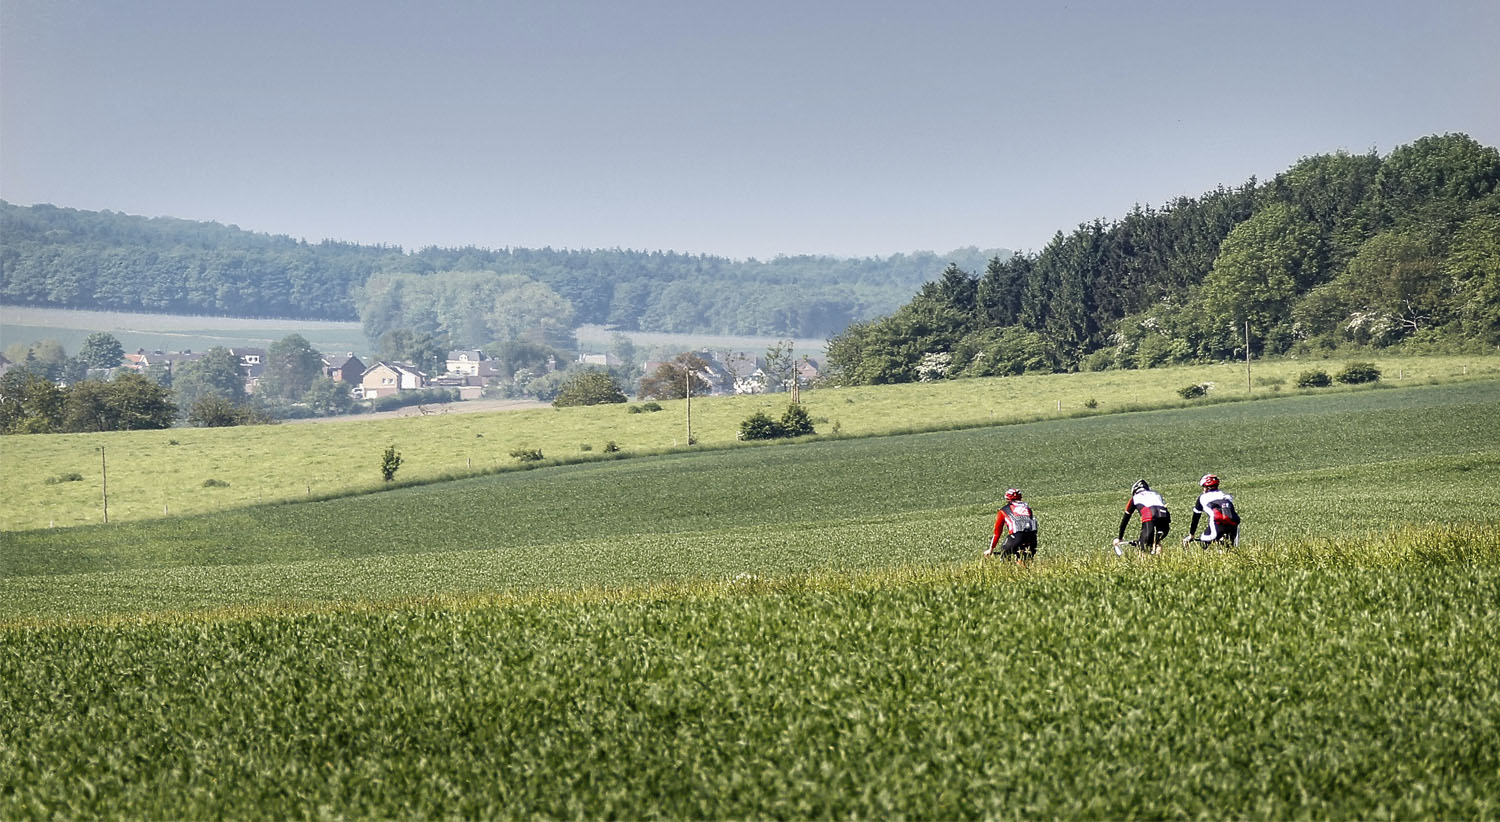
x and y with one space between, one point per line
796 631
1300 466
150 474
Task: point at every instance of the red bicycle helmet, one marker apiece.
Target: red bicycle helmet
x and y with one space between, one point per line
1012 495
1209 481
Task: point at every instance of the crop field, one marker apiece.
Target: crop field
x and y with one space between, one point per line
163 473
1357 679
177 332
1300 466
170 332
797 631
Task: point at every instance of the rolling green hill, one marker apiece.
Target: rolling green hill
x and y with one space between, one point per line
152 472
1302 466
794 632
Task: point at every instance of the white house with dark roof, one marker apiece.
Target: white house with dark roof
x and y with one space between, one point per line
465 361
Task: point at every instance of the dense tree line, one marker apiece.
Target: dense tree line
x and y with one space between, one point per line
103 260
1340 250
32 404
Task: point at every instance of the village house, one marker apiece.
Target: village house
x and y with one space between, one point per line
250 356
344 368
746 372
466 362
252 365
386 379
605 360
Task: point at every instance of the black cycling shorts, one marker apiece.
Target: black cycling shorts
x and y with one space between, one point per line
1022 545
1154 531
1221 532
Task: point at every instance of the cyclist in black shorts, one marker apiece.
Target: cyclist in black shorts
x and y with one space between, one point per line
1018 518
1223 521
1156 520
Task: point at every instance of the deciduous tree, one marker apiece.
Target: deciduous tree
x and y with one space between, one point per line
672 379
291 366
101 350
590 388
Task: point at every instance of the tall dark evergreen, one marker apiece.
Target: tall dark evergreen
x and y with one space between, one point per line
1339 250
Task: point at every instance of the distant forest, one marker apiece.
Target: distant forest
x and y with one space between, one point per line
1341 251
63 257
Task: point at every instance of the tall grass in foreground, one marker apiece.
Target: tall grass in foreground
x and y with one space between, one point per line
1332 679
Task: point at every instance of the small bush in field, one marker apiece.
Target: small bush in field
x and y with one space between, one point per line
794 423
1192 392
1316 378
611 448
758 426
1091 403
215 483
1358 372
527 454
71 476
389 462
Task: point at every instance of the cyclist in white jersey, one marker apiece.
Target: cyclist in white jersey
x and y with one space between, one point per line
1223 520
1156 520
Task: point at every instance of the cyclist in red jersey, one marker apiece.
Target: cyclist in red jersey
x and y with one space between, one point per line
1019 520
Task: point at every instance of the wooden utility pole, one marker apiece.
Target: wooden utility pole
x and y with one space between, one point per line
687 384
104 475
1247 357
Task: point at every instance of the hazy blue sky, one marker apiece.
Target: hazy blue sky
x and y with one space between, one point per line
737 128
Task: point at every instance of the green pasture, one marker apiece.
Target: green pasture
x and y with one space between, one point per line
162 473
1300 466
1348 679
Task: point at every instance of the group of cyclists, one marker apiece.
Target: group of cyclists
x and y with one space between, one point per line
1017 522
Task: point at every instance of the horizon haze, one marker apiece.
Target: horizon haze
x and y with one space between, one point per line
844 129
